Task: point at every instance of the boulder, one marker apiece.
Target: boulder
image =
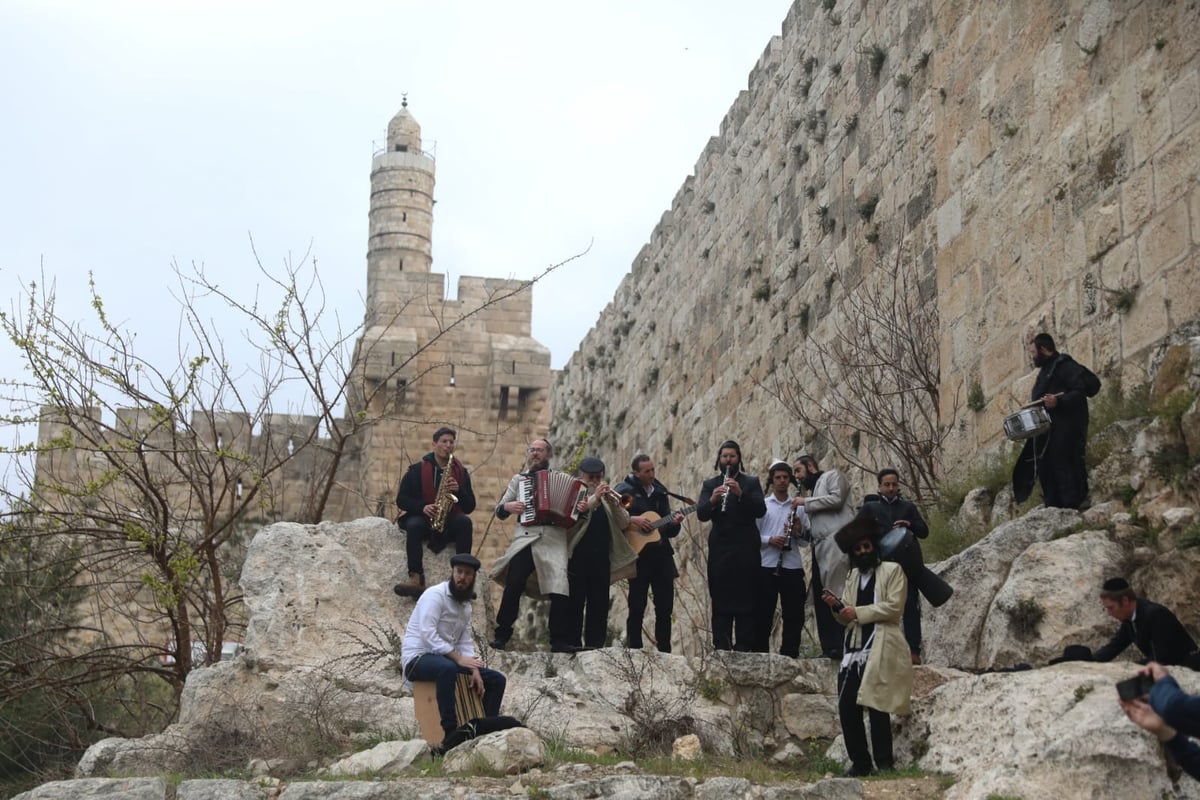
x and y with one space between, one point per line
1049 600
687 748
952 633
124 788
1055 732
226 789
810 716
508 752
386 758
976 511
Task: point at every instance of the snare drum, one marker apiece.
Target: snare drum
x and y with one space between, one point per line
1027 423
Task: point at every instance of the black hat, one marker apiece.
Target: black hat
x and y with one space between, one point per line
592 466
728 444
1074 652
867 525
465 560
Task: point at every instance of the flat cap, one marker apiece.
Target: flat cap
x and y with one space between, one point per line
592 465
465 560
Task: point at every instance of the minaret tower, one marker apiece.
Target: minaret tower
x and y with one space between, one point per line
401 216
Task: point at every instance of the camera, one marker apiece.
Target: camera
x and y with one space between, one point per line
1135 687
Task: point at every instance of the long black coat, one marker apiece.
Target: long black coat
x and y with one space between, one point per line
1056 458
733 543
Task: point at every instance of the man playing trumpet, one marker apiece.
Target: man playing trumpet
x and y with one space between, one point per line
602 556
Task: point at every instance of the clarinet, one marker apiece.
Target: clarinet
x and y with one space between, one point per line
787 538
725 497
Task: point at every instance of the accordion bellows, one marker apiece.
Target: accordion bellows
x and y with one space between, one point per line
550 498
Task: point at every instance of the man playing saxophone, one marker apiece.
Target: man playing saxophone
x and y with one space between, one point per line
435 499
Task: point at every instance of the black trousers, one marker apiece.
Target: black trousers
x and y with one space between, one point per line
854 732
829 631
420 532
912 619
788 590
519 569
588 606
656 572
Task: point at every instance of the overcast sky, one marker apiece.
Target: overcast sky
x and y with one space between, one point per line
138 133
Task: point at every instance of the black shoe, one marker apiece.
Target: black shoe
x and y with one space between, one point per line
498 644
408 589
857 772
565 648
832 655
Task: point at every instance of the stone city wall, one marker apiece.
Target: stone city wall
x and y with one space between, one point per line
1033 164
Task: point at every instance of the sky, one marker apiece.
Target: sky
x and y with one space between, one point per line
139 133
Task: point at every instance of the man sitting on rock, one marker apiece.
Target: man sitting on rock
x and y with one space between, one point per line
1155 630
438 645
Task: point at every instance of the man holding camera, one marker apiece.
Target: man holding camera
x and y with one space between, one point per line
1171 714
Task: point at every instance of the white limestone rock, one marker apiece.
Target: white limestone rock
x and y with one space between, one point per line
811 715
952 633
219 790
1057 581
1055 732
124 788
386 758
687 748
509 752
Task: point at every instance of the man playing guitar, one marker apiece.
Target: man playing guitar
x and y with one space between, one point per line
656 563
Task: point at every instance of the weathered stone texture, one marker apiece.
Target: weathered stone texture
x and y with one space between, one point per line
1036 161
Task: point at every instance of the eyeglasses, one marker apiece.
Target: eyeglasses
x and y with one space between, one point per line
537 449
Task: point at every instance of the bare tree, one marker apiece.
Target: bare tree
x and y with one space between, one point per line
148 476
871 390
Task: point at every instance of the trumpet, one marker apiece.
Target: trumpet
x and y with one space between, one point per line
610 494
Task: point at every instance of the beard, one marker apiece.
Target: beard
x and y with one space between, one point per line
810 481
1041 360
463 594
866 561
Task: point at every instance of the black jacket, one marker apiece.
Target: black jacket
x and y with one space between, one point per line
657 503
411 496
1157 633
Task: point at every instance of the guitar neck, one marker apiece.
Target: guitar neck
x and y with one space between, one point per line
667 520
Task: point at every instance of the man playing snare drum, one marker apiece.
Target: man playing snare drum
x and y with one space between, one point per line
1062 386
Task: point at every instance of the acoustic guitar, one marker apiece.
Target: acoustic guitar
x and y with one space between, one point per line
640 539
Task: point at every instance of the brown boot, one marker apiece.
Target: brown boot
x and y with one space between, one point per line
414 587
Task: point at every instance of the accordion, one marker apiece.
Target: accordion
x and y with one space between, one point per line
550 498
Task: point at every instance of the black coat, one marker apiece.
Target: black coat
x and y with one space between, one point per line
1157 633
1057 457
733 543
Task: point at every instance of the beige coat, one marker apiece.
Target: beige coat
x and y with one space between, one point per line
888 677
828 509
552 548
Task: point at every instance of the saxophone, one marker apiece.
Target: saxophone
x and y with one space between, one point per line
444 499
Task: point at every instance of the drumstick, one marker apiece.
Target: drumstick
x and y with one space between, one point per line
1041 400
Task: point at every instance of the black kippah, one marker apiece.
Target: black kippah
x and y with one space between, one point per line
1116 585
